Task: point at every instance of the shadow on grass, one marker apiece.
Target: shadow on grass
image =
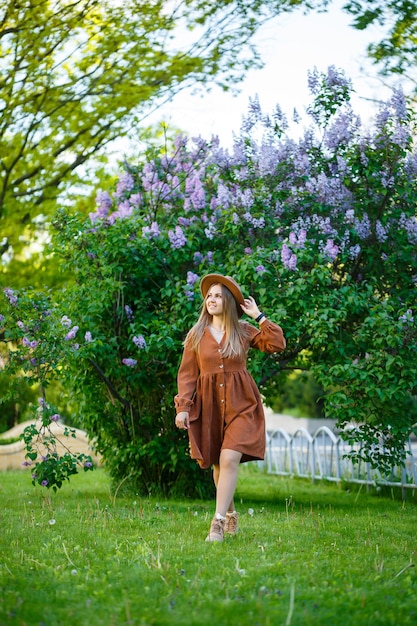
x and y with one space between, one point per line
256 486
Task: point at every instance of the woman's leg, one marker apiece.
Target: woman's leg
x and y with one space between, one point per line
225 478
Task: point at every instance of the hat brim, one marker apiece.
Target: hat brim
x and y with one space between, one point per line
227 281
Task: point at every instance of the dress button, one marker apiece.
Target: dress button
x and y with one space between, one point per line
220 366
221 384
222 400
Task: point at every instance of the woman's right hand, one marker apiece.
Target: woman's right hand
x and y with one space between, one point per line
182 420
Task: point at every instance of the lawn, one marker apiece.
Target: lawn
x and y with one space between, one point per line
306 554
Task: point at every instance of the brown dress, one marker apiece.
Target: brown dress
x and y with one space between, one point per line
222 398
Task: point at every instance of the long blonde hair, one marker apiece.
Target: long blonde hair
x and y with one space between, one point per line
234 344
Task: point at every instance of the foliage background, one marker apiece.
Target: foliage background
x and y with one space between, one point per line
321 230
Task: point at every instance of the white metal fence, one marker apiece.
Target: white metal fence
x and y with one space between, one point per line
323 456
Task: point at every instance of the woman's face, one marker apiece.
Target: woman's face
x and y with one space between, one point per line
214 300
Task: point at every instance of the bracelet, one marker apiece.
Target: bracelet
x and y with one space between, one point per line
260 316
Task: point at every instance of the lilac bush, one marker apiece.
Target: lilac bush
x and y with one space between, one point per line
321 230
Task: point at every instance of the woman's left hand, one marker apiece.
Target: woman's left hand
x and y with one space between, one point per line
250 307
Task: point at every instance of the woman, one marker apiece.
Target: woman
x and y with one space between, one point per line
218 401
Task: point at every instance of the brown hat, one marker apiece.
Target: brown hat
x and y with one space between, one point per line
227 281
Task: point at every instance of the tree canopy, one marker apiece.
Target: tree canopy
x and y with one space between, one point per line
77 74
322 230
396 53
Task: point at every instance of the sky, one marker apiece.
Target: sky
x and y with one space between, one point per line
290 45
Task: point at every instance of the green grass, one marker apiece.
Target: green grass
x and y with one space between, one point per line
308 554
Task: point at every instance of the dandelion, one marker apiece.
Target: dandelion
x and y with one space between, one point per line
251 512
52 522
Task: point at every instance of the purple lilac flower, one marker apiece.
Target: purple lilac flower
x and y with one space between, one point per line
21 325
260 269
245 198
248 251
136 199
192 278
223 196
124 209
399 103
56 417
2 318
285 254
88 338
71 334
126 183
331 250
198 195
198 257
10 295
152 230
75 346
139 342
255 222
88 464
292 263
129 312
129 362
66 322
177 238
363 227
381 233
407 317
45 482
313 80
210 231
42 403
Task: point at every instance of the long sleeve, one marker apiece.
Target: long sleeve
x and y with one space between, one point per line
269 338
188 374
